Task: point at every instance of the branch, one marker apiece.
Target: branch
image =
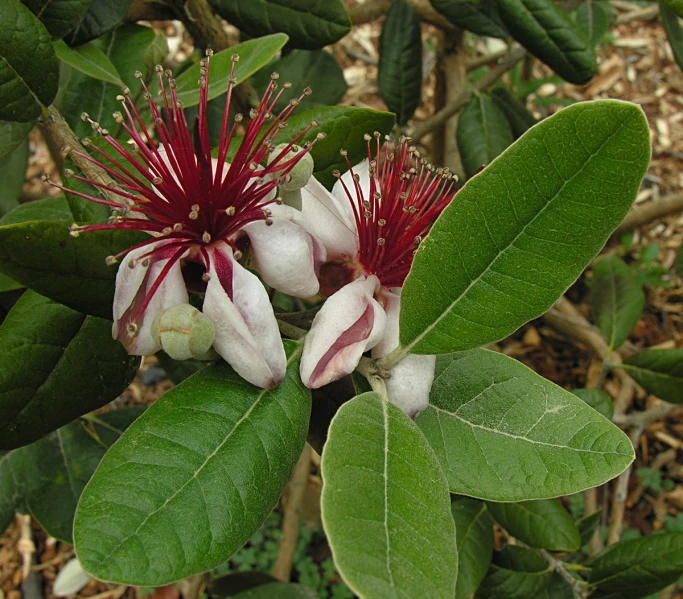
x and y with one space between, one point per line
646 418
374 9
578 586
642 14
651 211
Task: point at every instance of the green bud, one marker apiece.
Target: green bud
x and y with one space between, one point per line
302 171
183 332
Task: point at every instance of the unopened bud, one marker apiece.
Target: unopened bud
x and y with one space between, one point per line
183 332
302 171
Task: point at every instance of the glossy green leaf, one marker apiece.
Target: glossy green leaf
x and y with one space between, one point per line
504 433
254 55
12 176
12 485
58 16
11 135
591 19
57 364
69 270
156 52
543 28
482 133
474 538
617 299
478 16
385 504
29 72
598 400
675 5
100 18
519 233
193 478
638 567
588 525
46 209
516 573
399 73
674 33
89 59
316 69
518 116
543 524
309 25
278 590
658 371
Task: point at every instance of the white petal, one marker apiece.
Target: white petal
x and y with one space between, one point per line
285 256
247 335
71 579
411 379
362 170
132 286
350 322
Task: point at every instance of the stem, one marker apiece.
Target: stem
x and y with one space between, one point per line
291 198
392 358
291 331
579 587
375 376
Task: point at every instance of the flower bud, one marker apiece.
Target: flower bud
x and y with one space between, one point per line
301 172
183 332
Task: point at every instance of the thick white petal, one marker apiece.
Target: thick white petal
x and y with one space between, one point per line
411 379
247 335
71 579
350 322
362 169
285 256
132 286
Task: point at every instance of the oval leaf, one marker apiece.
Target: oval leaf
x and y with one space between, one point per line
658 371
519 233
591 19
58 16
57 364
11 135
478 16
12 485
89 59
97 20
518 116
504 433
598 400
516 573
29 71
193 478
399 73
385 504
483 133
675 5
13 175
674 33
543 524
45 209
543 28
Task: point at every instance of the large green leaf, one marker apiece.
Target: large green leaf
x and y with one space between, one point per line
12 176
98 20
254 55
42 255
58 16
519 117
29 72
399 73
385 504
587 526
46 209
474 538
592 20
193 478
639 567
309 25
675 5
483 133
519 233
57 364
543 28
12 485
504 433
516 573
617 299
543 524
674 33
658 371
479 16
11 135
89 59
598 400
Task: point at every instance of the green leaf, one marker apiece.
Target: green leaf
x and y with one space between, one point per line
478 16
518 116
12 485
58 16
543 524
675 5
278 590
7 284
57 364
588 525
617 299
543 28
11 136
59 466
72 271
13 175
309 25
516 573
254 55
385 505
678 264
88 59
638 567
316 69
29 72
215 448
674 33
482 133
399 73
156 52
658 371
55 208
98 20
598 400
504 433
591 19
519 233
474 539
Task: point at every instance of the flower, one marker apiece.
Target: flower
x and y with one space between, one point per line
371 224
202 213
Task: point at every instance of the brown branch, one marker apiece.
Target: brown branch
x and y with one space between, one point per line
642 14
483 61
368 11
645 418
578 587
149 10
646 213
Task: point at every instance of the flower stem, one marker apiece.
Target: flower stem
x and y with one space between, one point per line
393 358
368 368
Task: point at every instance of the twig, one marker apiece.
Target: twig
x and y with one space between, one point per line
112 593
58 559
645 418
642 14
291 520
649 212
25 546
291 331
565 318
578 586
482 61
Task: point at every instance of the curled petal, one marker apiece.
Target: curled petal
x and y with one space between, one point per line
285 256
350 322
247 335
135 279
411 379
